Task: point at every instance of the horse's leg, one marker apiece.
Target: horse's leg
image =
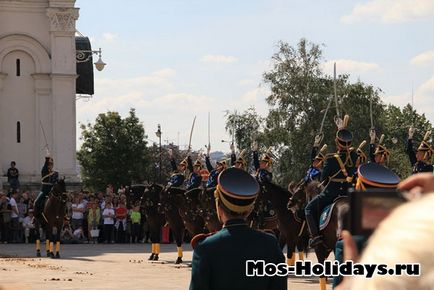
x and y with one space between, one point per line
58 242
51 235
154 228
302 241
321 254
38 239
47 241
179 237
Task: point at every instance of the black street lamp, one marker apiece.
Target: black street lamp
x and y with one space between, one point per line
158 133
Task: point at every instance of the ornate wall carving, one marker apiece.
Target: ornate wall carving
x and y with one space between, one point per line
62 19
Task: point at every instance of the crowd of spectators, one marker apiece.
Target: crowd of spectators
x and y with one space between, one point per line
102 217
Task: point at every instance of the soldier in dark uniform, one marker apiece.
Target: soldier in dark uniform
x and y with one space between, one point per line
194 178
265 211
239 162
213 172
49 178
262 172
338 175
378 153
177 178
420 160
219 260
317 158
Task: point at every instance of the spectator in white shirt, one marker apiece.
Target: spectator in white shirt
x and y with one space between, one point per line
108 215
14 217
29 227
78 209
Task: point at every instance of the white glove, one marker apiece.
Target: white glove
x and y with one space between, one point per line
372 135
411 132
339 122
317 141
255 146
47 153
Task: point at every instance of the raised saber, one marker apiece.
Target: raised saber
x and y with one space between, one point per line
335 90
191 134
325 114
370 112
45 136
209 130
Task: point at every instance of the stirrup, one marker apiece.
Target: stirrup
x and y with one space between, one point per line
315 241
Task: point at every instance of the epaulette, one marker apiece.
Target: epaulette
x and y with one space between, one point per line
330 155
198 238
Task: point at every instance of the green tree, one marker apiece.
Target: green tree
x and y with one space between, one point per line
114 151
300 93
397 121
244 128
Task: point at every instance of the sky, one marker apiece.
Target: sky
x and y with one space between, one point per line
173 60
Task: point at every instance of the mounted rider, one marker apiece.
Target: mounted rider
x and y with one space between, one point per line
263 175
178 171
194 179
317 159
338 175
239 162
213 172
378 153
421 159
262 166
48 178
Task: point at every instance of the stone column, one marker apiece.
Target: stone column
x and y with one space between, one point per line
62 16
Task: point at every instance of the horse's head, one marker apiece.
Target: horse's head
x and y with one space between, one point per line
59 187
298 199
192 196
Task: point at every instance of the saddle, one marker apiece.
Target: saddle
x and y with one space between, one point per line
325 216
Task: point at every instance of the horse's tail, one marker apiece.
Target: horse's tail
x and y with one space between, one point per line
342 216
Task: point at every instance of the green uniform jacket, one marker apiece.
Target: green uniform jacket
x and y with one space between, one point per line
219 261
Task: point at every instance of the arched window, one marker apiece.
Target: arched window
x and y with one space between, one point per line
18 67
18 132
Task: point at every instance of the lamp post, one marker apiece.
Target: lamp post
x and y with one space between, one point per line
85 55
158 133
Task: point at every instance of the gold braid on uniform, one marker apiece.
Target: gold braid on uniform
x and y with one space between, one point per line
224 196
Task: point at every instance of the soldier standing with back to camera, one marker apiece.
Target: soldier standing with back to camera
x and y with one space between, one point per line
219 260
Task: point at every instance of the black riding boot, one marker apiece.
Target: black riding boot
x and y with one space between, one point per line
314 231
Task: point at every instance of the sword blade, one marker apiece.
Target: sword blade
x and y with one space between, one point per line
191 133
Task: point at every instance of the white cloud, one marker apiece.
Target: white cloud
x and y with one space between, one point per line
245 82
252 96
427 89
350 66
423 98
210 58
109 37
391 11
424 58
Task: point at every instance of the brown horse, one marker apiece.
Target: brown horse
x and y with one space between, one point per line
150 203
331 232
292 230
169 198
189 209
263 216
208 210
52 220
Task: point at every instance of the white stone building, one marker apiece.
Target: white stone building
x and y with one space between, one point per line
37 86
